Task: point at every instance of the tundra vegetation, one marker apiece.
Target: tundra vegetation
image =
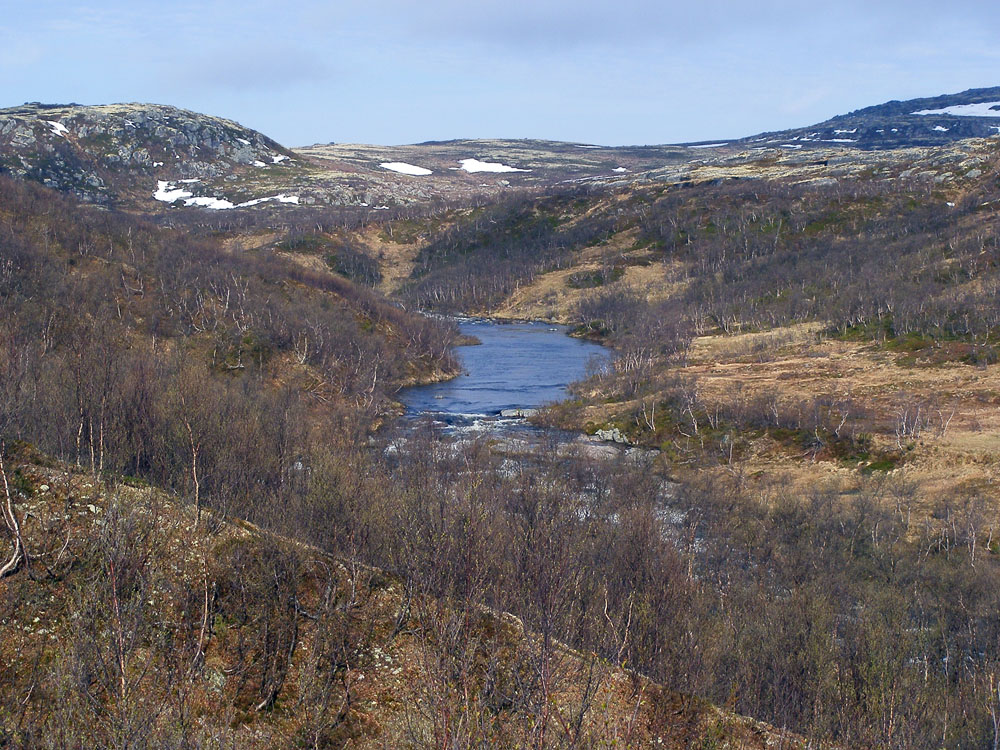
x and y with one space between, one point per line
208 544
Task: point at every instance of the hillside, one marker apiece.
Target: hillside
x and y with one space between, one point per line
110 320
652 233
132 626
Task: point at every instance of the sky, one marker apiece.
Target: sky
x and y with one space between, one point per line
625 72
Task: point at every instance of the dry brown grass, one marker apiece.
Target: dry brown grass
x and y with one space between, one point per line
550 296
395 259
250 241
957 445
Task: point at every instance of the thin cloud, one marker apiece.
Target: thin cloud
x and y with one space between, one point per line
18 53
609 71
249 70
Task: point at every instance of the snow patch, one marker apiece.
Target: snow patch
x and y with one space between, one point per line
474 165
619 170
940 129
840 140
982 109
713 145
278 159
848 132
168 192
580 145
243 141
259 163
403 168
57 128
206 201
282 198
790 145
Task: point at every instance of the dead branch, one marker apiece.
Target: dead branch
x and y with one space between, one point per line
19 556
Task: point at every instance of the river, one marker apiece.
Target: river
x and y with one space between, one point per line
517 366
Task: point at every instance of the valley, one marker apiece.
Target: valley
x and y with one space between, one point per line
768 520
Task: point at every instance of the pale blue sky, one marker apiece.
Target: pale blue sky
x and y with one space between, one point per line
403 71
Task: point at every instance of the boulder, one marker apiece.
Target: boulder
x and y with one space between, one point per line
614 435
518 413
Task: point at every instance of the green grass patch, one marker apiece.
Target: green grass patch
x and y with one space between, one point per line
595 330
884 464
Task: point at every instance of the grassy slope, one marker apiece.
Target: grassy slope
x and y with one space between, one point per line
950 452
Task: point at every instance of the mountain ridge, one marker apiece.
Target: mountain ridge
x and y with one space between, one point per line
894 124
151 157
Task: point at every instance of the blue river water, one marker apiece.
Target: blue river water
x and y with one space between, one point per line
517 366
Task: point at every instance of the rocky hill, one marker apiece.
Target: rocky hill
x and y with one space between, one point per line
119 151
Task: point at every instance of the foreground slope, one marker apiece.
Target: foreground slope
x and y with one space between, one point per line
132 626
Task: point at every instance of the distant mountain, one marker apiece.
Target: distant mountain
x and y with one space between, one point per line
933 121
151 157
